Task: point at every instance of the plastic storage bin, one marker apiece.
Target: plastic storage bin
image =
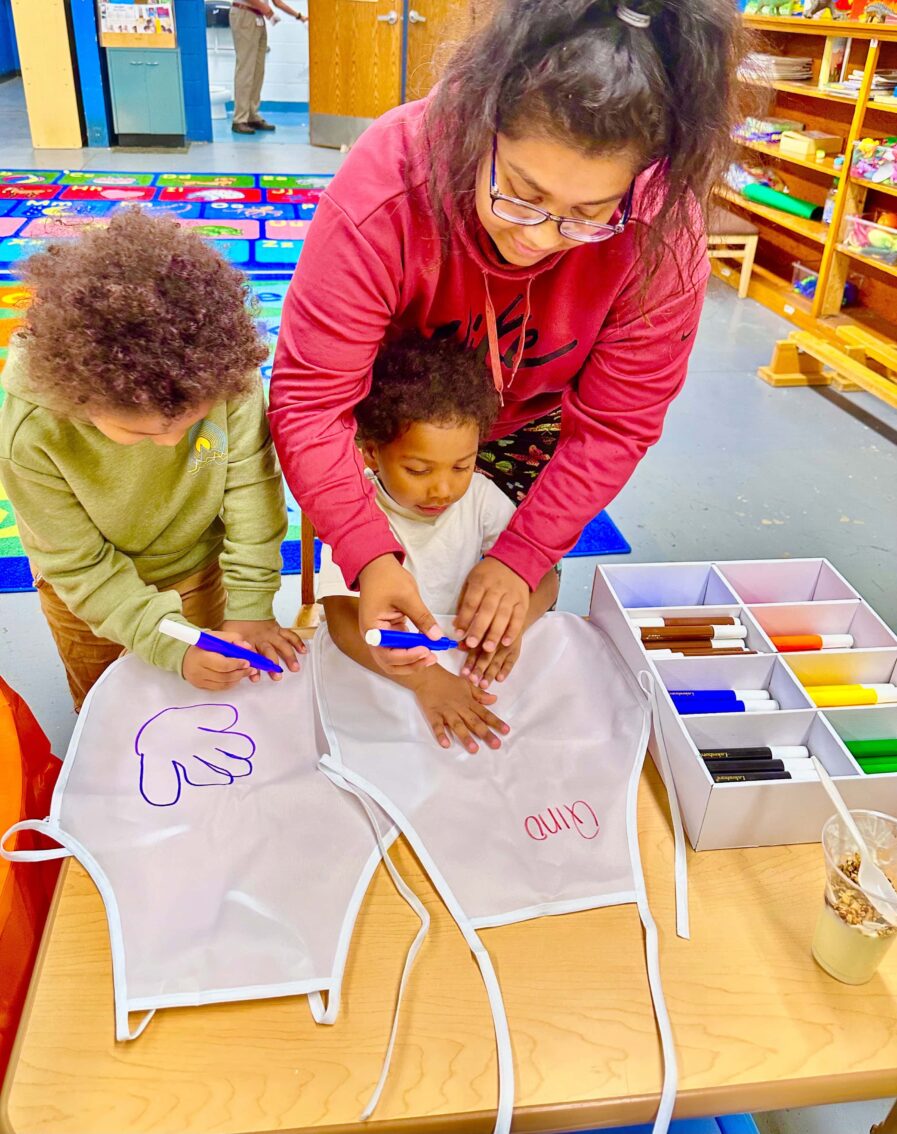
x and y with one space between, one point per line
869 237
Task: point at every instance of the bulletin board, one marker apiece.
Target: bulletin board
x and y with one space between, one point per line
124 24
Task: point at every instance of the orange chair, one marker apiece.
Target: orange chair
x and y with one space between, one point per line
28 772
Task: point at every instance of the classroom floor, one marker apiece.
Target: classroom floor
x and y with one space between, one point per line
742 470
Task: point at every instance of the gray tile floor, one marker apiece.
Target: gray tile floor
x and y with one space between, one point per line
741 471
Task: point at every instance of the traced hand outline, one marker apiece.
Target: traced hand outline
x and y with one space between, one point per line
175 750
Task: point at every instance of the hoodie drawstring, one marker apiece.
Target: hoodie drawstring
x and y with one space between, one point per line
492 335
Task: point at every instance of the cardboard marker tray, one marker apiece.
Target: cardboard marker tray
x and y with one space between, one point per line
770 597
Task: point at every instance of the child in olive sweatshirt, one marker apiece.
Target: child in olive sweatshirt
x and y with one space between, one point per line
135 451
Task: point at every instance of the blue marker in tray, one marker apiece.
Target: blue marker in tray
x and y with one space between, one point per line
196 637
406 640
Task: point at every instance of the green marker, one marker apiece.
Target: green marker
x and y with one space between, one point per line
885 747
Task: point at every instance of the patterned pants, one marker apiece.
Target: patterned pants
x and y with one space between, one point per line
514 462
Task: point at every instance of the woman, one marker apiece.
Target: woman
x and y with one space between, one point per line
543 206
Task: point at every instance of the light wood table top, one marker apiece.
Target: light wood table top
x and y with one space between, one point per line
757 1024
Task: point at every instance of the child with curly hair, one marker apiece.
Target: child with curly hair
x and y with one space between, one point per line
135 451
419 430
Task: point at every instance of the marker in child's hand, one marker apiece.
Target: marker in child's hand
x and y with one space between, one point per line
407 640
195 637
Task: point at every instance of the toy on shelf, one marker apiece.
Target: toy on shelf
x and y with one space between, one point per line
874 11
772 7
873 235
741 173
765 129
804 280
875 161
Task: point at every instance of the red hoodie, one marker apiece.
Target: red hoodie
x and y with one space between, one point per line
372 266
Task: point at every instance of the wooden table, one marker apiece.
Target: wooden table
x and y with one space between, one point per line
758 1025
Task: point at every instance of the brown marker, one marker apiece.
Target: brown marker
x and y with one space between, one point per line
671 650
709 620
703 633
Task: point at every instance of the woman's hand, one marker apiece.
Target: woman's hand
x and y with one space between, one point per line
270 640
206 670
388 595
453 706
493 608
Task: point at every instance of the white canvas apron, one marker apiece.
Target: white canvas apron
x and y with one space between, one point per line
230 867
544 825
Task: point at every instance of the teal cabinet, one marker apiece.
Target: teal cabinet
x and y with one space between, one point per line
147 92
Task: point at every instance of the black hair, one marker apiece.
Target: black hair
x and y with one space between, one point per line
419 379
576 71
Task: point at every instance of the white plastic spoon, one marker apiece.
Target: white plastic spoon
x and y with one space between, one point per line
871 878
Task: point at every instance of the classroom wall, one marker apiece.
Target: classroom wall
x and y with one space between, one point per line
190 20
286 70
9 54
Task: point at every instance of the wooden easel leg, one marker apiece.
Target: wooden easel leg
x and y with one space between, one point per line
789 367
309 616
889 1125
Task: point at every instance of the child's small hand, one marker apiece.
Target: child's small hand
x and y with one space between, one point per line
277 644
482 668
453 706
206 670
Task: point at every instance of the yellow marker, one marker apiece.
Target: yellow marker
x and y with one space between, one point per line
837 696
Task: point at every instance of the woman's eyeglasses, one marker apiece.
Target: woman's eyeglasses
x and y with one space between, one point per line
522 212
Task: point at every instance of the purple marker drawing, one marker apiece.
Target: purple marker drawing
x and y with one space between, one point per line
192 744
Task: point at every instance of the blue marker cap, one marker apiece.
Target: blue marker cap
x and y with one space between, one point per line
406 640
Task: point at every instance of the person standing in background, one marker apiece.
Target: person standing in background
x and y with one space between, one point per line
247 25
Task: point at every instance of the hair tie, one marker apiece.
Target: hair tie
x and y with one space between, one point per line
633 18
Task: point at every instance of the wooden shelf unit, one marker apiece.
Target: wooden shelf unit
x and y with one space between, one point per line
770 149
785 239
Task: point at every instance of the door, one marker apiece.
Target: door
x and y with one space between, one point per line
355 66
127 80
435 27
165 92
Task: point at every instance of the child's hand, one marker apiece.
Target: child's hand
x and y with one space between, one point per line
453 706
271 641
482 668
206 670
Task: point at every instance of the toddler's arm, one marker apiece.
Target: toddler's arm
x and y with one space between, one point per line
451 705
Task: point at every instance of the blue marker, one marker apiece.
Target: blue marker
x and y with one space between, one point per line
405 640
195 637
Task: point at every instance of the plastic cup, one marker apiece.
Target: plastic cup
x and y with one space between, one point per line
851 936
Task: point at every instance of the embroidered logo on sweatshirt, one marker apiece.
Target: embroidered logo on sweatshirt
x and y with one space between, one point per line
208 445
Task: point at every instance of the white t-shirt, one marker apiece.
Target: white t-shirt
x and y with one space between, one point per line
440 552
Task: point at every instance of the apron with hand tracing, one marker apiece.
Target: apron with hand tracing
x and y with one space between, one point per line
230 867
544 825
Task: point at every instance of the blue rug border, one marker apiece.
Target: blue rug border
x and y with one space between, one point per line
602 532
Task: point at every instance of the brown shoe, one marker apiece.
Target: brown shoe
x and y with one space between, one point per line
242 128
261 124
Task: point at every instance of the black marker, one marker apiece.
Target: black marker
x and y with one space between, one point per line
744 765
748 777
773 752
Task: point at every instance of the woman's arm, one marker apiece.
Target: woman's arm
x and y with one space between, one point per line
289 11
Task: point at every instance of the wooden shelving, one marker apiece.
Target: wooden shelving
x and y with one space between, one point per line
809 229
852 29
807 89
891 190
785 238
774 150
888 269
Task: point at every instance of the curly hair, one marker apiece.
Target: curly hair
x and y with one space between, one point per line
573 71
141 315
419 379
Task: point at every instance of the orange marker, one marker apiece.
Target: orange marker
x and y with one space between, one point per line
791 643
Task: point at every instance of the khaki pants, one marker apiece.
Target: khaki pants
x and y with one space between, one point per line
85 656
250 45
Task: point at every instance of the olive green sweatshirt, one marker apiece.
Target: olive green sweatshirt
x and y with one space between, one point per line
102 522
